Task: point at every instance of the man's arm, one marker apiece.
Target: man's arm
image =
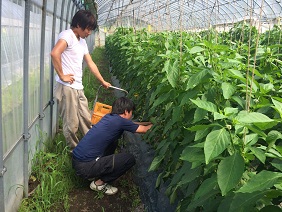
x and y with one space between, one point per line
144 128
94 69
56 53
143 123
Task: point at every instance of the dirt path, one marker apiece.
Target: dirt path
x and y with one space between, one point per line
126 200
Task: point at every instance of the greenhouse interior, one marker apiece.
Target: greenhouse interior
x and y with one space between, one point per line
205 74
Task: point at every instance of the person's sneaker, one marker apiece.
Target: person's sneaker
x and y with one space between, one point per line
106 188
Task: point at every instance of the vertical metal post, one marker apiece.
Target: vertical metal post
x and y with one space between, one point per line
68 11
73 10
26 134
42 57
62 15
52 70
2 168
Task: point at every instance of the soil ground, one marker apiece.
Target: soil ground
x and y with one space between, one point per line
83 199
126 200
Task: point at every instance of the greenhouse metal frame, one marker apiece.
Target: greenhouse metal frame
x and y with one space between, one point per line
29 114
187 14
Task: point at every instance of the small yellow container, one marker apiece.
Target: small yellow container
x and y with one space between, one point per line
101 109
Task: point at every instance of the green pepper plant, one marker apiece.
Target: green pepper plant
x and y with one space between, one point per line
216 107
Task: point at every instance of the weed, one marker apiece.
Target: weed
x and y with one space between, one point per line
134 193
123 195
124 183
50 168
99 195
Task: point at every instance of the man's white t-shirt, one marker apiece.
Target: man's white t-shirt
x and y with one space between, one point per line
72 58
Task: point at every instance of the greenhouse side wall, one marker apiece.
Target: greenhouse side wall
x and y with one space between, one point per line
29 30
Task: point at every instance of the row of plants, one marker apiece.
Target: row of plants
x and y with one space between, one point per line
215 101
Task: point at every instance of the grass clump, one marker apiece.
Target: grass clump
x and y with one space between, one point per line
51 179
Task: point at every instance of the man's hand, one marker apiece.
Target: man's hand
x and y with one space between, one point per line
67 78
143 128
106 84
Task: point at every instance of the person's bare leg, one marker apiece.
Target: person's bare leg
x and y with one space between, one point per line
99 182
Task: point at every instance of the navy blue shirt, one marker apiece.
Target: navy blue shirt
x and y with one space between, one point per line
106 131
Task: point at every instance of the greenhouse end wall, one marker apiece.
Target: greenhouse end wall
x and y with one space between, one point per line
29 29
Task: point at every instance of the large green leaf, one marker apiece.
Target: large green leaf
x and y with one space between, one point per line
256 130
172 71
203 127
251 139
168 126
191 175
265 88
201 134
201 201
176 178
271 208
177 114
188 95
272 137
228 90
230 111
237 62
196 49
258 153
173 195
156 162
209 106
237 74
261 181
193 155
277 163
207 186
241 202
199 60
218 116
252 117
273 152
277 106
216 142
240 101
230 171
159 90
196 79
162 147
199 114
161 99
266 125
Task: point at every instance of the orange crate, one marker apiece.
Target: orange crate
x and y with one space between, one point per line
100 110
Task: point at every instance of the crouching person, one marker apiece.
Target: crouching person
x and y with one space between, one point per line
94 158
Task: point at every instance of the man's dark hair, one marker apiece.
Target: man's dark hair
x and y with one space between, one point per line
84 19
122 104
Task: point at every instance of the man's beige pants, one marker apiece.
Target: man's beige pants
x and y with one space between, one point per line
73 108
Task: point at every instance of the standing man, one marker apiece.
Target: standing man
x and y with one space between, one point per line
67 58
95 157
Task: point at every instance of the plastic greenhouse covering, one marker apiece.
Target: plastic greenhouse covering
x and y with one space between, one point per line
29 29
186 14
